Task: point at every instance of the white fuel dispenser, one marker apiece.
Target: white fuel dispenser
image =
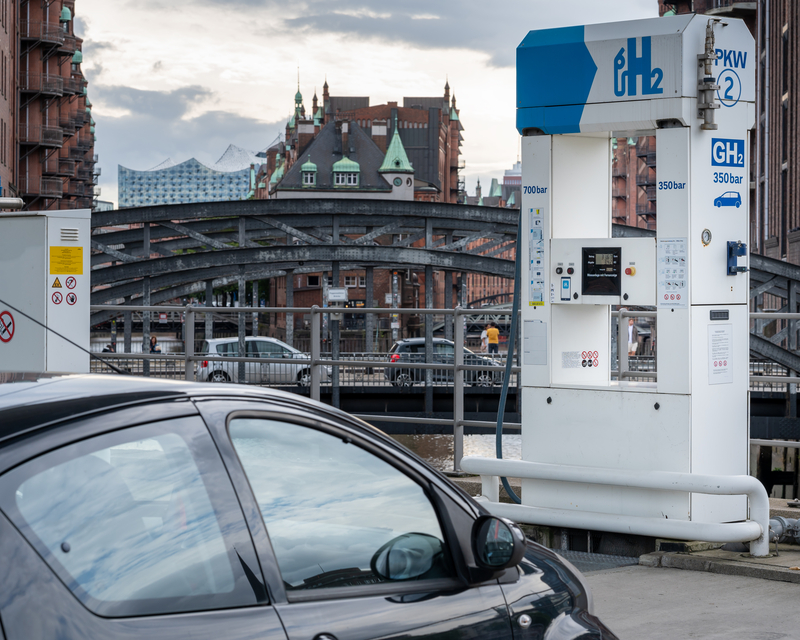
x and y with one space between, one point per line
688 80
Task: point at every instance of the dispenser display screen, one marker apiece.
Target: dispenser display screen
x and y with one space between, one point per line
601 271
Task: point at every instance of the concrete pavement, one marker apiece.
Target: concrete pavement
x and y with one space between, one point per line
649 603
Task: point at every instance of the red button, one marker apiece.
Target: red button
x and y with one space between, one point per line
630 271
570 270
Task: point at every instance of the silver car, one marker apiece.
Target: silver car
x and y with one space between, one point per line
256 372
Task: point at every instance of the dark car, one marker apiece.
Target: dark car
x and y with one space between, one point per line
138 508
413 350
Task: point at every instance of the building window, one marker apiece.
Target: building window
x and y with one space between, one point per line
350 281
313 281
309 178
362 281
345 179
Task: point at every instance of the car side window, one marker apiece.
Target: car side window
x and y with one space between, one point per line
337 515
139 521
270 349
253 348
443 348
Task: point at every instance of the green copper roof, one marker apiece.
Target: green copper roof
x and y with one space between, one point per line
291 123
77 57
512 199
261 185
66 15
276 175
298 97
453 114
91 129
670 12
88 110
496 191
346 165
308 165
396 160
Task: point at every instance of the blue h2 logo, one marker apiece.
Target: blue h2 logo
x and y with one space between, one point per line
637 66
727 153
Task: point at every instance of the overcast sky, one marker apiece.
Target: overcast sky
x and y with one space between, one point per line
185 79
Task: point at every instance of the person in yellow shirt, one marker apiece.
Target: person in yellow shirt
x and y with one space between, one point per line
493 334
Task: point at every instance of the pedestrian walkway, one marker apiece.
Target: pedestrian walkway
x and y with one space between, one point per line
647 603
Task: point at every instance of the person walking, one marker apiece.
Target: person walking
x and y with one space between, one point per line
633 337
493 338
154 346
484 341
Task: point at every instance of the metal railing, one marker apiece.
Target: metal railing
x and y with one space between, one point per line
755 530
459 372
41 134
44 31
41 83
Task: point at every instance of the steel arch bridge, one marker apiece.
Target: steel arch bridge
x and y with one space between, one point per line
163 252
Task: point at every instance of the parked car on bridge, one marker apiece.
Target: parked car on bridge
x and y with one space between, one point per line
145 508
286 373
413 350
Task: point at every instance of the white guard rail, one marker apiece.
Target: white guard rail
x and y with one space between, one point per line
755 530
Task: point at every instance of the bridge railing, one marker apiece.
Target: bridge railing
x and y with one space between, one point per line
325 369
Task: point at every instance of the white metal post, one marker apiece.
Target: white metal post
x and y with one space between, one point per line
189 340
458 391
316 338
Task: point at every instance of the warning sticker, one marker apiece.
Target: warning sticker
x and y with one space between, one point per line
57 297
570 359
6 326
720 340
71 298
56 284
66 260
71 282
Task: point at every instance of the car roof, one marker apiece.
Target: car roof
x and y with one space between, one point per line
247 339
29 400
418 340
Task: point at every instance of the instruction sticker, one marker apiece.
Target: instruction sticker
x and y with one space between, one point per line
673 273
536 292
534 342
570 359
720 341
66 260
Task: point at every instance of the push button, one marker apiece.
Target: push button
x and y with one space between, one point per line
559 270
570 270
630 271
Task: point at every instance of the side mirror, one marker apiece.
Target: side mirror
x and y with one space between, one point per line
497 543
406 557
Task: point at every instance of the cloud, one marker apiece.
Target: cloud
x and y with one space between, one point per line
446 24
164 105
157 127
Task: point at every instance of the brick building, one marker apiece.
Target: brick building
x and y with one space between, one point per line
8 95
52 164
429 129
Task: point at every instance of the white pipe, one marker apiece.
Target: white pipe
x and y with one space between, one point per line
754 530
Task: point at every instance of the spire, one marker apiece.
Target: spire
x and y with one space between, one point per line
447 89
314 102
396 160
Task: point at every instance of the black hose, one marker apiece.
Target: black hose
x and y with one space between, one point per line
510 360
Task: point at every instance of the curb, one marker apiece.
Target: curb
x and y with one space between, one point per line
724 567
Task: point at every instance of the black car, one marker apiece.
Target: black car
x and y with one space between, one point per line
139 508
413 350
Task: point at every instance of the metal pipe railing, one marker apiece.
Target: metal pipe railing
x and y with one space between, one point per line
755 530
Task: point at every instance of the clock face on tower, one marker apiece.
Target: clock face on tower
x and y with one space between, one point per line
398 182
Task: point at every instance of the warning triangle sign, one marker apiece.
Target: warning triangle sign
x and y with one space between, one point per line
57 284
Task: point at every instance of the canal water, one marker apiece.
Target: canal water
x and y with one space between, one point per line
437 449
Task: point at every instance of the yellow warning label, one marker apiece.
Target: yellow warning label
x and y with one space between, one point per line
66 260
535 304
57 284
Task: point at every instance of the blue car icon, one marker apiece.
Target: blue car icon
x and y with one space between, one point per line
729 199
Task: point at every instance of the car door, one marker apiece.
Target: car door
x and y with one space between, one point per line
444 353
258 372
277 373
131 532
336 513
